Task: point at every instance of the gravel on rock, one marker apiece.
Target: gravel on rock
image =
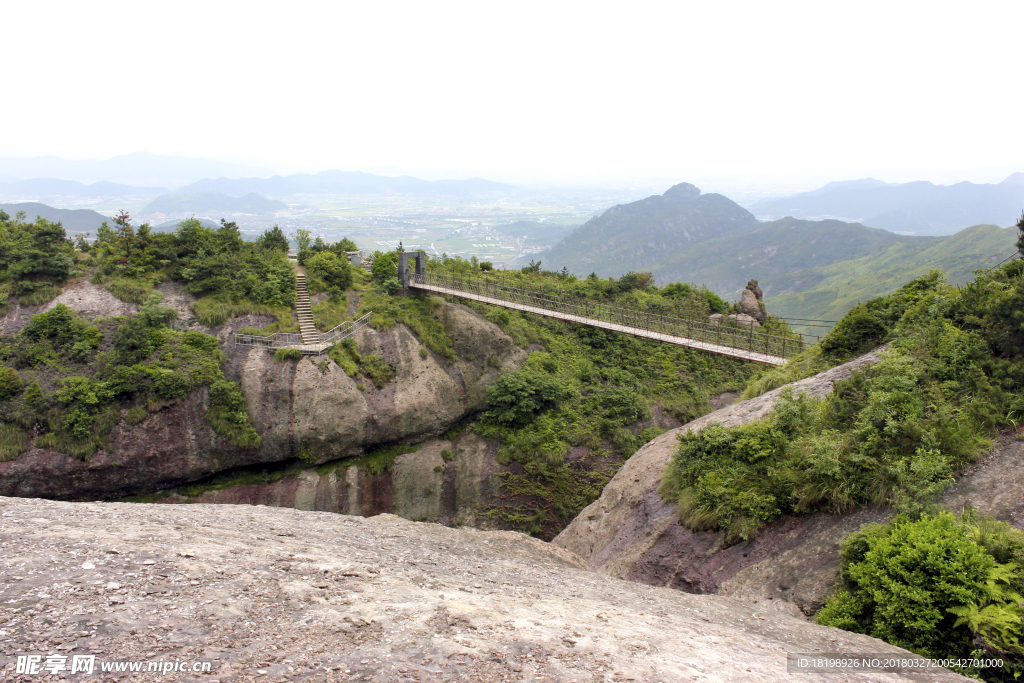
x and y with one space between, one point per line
276 594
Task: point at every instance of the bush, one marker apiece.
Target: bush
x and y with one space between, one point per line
926 585
135 415
334 271
10 383
517 397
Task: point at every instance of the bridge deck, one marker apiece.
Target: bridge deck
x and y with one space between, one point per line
745 354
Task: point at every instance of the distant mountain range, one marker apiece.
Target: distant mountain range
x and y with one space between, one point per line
346 182
73 220
807 269
53 187
211 203
918 208
138 168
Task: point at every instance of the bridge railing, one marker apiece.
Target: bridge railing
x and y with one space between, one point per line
737 335
291 340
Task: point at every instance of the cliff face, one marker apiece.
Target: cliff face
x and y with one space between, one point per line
308 408
793 563
422 486
276 594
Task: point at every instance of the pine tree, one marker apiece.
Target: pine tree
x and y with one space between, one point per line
1020 237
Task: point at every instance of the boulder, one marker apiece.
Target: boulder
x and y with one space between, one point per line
753 287
750 304
744 319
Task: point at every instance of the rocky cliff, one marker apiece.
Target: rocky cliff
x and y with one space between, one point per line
307 409
631 533
277 594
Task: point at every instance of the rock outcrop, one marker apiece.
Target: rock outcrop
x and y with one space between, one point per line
307 409
792 565
278 594
631 533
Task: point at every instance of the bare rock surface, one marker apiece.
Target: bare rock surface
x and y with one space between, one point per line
280 594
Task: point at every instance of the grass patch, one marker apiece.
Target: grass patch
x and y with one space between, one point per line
212 312
13 442
379 371
39 296
130 290
136 415
288 354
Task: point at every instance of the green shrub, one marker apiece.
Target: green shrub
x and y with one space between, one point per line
424 354
447 455
10 383
515 398
135 415
334 271
377 370
229 416
39 295
928 586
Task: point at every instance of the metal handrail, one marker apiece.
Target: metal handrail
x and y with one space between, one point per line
730 334
291 340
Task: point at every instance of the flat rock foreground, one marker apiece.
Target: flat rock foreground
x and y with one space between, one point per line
273 594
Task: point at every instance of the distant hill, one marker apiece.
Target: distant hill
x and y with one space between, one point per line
828 292
211 202
138 168
73 220
346 182
919 208
807 269
54 187
650 234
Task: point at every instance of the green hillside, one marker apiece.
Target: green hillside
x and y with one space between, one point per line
837 287
807 269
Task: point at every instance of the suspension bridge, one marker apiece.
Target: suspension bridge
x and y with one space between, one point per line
747 341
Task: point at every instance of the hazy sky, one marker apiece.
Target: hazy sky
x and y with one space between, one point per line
553 91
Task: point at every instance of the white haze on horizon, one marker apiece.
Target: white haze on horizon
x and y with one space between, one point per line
739 94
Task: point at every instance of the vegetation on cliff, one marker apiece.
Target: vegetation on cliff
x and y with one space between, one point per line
35 260
893 434
944 586
69 382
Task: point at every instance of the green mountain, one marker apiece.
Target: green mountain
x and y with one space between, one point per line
807 269
73 220
837 287
212 202
650 234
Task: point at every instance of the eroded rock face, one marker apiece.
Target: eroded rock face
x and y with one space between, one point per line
793 563
749 304
275 594
421 486
306 409
631 533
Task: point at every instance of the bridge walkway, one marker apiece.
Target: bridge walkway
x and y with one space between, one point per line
746 342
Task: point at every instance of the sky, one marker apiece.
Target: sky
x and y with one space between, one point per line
545 92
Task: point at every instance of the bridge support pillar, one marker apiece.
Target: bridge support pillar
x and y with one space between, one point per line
403 269
421 262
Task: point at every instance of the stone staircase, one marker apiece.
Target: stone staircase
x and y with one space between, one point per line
304 312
